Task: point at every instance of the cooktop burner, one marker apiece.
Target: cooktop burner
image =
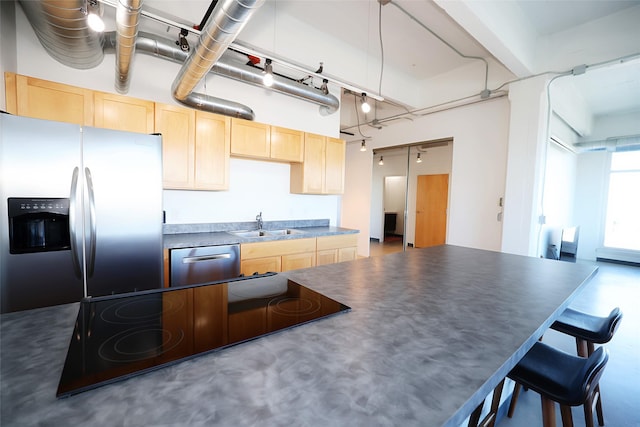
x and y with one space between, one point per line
118 336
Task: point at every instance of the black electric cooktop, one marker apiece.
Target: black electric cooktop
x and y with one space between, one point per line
119 336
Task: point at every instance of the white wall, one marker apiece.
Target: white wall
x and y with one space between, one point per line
254 186
480 135
357 193
528 136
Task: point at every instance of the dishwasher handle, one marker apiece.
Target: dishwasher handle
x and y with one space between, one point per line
192 259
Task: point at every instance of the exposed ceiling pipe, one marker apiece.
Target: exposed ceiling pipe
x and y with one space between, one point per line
127 19
226 22
617 143
166 48
328 103
61 27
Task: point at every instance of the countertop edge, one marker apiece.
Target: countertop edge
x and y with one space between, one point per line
189 240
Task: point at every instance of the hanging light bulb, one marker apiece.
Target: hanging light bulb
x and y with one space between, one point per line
267 79
364 104
363 147
381 162
94 21
418 160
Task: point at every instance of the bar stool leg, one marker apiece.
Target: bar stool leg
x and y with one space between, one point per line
585 349
490 419
514 399
549 412
567 418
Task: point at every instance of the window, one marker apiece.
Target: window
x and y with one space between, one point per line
622 227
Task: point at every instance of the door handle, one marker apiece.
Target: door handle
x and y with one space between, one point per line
73 233
92 223
192 259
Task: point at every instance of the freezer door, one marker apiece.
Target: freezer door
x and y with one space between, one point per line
37 160
122 173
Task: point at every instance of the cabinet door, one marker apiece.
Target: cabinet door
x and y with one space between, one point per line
308 177
347 254
250 139
42 99
246 323
327 256
261 265
176 124
287 144
123 113
212 149
296 261
334 166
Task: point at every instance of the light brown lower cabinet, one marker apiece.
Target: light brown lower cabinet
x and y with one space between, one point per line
277 255
339 248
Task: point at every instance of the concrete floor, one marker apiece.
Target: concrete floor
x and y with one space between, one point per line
614 286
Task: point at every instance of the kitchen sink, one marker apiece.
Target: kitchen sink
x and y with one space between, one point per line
284 232
266 233
251 233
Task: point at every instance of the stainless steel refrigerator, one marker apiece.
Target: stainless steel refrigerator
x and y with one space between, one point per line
81 212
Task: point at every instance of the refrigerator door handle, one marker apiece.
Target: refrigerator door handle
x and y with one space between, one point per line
73 233
92 224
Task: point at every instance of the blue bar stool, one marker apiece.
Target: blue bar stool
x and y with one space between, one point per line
587 330
561 377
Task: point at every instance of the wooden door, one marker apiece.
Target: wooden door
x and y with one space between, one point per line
213 142
42 99
123 113
334 166
296 261
287 144
250 139
308 177
432 196
176 124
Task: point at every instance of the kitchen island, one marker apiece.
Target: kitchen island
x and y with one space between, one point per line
430 333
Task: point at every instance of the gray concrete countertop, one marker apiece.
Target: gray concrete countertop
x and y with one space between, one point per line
431 332
194 235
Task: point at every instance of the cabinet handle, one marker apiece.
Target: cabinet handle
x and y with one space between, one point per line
192 259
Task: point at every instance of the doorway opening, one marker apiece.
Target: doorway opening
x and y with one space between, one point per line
394 196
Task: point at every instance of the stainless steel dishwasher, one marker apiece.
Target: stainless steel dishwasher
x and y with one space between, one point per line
193 266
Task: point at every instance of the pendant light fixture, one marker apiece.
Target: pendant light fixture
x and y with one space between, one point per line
418 160
363 147
364 104
267 79
94 21
381 162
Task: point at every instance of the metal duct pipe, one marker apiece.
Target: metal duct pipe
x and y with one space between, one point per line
226 22
165 48
328 103
61 27
127 19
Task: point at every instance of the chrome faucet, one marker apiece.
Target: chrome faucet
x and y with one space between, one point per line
259 219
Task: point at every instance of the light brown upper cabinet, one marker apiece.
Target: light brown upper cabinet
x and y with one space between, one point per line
250 139
322 169
287 144
213 147
195 148
42 99
123 113
261 141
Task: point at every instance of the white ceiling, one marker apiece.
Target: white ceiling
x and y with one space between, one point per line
409 48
